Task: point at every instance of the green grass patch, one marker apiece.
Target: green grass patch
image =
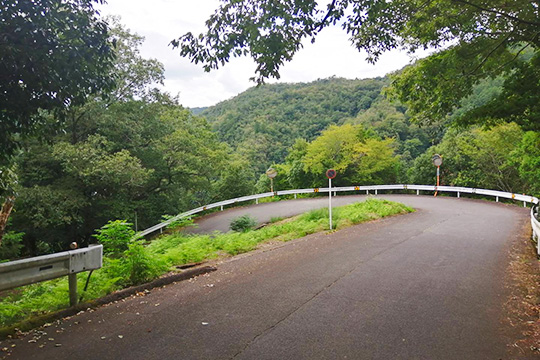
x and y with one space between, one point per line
140 264
275 219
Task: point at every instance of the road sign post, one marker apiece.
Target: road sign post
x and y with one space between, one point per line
330 174
437 161
271 173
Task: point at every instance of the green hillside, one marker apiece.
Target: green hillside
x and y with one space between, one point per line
263 122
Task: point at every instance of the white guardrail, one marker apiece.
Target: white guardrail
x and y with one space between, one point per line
536 226
375 188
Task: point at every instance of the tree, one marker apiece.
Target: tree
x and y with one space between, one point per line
132 160
527 159
519 100
53 54
8 179
133 74
358 157
67 191
477 157
475 39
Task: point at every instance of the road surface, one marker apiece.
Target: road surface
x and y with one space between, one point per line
426 285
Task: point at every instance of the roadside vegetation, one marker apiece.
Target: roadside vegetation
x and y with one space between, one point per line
129 261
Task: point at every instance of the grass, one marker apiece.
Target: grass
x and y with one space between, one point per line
162 254
275 219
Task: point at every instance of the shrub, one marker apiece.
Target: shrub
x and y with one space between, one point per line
11 246
140 266
243 223
115 237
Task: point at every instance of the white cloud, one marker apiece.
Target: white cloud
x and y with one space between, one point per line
161 21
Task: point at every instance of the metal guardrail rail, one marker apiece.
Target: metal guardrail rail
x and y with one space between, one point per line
46 267
367 189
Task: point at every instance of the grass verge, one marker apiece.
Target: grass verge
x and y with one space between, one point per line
161 255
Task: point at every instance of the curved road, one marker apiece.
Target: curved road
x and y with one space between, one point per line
427 285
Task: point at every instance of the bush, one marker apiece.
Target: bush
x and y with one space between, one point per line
115 237
129 262
11 246
243 223
140 266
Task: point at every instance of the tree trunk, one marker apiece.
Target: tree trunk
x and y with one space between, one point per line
4 215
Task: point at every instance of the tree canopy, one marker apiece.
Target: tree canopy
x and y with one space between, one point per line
359 157
133 153
53 54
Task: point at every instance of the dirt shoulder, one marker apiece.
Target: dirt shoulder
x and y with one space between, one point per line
523 305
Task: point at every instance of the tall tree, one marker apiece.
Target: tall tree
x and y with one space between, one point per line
134 75
53 54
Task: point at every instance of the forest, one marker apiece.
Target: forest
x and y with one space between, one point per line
118 148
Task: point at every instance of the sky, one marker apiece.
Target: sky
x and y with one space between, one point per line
161 21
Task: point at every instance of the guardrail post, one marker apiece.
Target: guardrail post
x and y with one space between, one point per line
496 198
417 192
458 194
221 207
375 191
367 192
72 278
295 196
256 201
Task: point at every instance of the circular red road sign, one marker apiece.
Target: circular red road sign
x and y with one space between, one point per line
331 173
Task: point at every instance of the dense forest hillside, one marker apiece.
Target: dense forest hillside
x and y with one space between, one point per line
264 121
197 110
291 127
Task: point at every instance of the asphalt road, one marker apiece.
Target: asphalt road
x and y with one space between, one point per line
427 285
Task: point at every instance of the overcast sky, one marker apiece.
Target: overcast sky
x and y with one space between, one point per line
161 21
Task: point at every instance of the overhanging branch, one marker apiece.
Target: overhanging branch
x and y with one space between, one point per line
327 16
508 16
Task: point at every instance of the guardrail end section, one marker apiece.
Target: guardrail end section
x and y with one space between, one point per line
90 258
